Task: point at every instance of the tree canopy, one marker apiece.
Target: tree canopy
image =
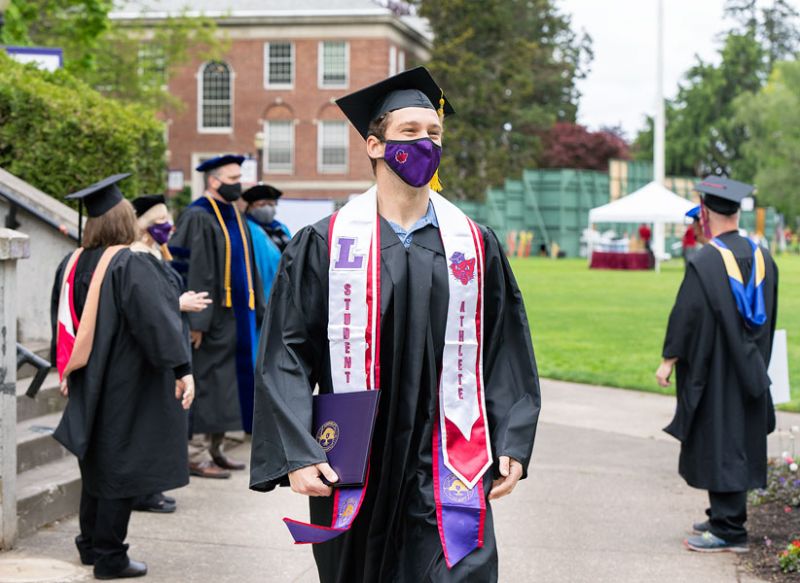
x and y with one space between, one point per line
772 121
569 145
60 135
703 134
129 61
510 68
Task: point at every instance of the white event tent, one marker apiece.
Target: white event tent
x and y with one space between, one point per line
653 204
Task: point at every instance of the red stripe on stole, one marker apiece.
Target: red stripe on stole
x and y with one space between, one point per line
377 351
370 308
330 234
480 247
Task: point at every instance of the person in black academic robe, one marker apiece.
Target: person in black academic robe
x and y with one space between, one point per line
724 406
224 349
155 225
395 536
124 418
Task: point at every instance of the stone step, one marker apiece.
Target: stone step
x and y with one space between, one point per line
47 493
35 444
39 348
48 400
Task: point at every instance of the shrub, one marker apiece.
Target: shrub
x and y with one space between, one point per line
60 135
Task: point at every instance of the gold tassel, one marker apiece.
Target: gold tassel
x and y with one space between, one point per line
252 304
436 184
228 300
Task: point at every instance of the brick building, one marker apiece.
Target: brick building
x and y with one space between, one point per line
272 94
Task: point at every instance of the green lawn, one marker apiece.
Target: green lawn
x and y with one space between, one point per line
607 327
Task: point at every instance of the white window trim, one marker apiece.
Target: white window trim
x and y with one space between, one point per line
392 61
321 66
265 154
342 169
276 86
199 79
401 61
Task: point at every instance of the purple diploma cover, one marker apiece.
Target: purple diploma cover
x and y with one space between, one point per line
343 425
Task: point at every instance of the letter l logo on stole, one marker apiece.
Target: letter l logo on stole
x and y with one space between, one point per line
344 260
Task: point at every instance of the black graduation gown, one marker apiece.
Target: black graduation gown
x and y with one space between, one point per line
173 280
724 407
395 536
224 360
122 419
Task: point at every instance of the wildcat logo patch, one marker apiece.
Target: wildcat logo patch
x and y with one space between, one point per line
463 269
401 156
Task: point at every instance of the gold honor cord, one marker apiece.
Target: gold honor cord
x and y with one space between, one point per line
228 300
251 303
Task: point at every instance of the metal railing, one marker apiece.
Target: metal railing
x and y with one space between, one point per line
42 366
15 202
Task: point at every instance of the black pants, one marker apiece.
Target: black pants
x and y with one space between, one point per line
727 515
104 526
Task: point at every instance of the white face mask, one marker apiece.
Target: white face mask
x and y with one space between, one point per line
263 214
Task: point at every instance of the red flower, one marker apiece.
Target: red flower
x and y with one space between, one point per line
796 544
787 509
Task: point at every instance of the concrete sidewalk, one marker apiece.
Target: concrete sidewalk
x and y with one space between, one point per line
603 503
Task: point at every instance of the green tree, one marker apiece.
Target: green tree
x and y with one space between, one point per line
60 135
702 134
136 59
127 60
74 25
775 26
772 121
510 69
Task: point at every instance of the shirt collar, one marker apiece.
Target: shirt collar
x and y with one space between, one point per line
406 235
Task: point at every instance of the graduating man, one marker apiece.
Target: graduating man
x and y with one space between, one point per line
418 302
214 253
719 338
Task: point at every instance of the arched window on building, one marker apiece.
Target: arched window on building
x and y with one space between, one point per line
215 97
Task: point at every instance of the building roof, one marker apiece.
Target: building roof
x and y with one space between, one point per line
266 10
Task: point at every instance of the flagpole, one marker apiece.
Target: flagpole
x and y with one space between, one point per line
658 133
658 141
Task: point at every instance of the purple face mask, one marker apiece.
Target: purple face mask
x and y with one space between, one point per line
414 161
160 232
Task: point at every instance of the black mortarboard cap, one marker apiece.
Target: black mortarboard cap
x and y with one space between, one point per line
262 191
224 160
101 196
723 195
144 203
412 88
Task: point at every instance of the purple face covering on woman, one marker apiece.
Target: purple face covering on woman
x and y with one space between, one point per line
414 161
160 232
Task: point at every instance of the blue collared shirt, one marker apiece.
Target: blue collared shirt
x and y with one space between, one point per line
407 236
